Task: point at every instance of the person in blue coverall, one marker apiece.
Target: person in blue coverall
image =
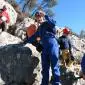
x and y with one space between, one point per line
50 52
83 67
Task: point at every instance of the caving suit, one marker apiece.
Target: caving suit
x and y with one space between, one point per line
50 51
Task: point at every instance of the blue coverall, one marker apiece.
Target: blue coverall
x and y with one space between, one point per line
83 64
50 52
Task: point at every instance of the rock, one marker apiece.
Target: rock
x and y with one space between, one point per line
69 76
17 63
80 82
6 38
11 11
22 27
38 68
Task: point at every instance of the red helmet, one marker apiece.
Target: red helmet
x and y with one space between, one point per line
66 31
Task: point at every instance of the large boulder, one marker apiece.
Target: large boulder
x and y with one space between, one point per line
17 62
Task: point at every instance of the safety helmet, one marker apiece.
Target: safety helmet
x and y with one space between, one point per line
39 13
66 31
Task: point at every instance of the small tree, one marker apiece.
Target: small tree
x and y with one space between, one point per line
34 5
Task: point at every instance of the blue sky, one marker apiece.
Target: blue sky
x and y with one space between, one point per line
70 13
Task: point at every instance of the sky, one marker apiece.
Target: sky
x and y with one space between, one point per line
70 13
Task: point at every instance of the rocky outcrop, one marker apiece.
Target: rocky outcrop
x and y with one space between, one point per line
22 27
69 76
6 39
17 63
11 11
21 65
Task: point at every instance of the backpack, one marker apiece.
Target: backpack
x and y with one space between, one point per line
64 43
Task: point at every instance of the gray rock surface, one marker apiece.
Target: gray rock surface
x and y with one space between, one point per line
6 39
16 62
68 77
21 65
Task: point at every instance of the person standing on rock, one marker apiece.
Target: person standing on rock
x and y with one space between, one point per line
65 48
50 52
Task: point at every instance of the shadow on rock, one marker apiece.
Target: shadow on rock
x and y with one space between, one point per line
17 65
35 62
67 77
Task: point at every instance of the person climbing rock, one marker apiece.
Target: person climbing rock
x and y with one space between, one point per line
50 52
